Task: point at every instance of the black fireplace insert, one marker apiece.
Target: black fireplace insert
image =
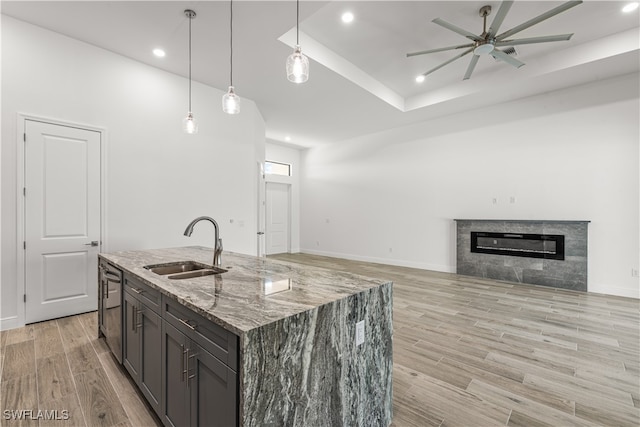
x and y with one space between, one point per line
547 246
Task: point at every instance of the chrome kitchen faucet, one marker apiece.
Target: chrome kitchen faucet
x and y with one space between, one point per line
217 250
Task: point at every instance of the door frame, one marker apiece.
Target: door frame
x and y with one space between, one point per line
261 245
21 267
266 226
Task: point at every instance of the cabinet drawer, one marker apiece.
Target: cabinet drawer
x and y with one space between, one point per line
143 292
213 338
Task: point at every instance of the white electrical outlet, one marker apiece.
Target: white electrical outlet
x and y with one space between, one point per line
634 272
359 332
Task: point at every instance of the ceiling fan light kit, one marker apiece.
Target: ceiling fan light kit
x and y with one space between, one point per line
491 43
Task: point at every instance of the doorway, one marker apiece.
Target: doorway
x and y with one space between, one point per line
61 219
278 215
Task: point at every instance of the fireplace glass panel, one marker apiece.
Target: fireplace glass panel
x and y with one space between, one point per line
549 246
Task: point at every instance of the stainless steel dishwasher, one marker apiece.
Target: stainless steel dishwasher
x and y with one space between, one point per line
109 307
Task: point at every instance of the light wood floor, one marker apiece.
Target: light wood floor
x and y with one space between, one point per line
473 352
61 365
467 352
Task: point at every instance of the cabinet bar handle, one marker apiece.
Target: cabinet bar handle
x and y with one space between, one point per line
184 369
137 290
190 377
139 320
133 316
187 324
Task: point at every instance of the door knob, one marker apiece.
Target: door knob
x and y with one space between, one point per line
93 243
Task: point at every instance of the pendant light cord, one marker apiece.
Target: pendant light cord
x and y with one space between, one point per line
231 45
190 19
297 22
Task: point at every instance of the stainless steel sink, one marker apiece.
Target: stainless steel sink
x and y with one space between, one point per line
184 269
198 273
176 267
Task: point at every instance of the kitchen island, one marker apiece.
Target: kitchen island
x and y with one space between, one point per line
300 360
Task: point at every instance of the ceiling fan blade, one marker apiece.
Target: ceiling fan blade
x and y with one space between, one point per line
456 29
531 40
471 67
498 54
448 62
497 21
553 12
422 52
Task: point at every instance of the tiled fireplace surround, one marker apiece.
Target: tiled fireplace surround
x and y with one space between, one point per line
570 273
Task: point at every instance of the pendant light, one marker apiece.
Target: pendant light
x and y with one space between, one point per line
189 124
297 63
231 101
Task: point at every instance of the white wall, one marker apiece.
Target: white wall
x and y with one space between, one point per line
157 178
285 154
570 154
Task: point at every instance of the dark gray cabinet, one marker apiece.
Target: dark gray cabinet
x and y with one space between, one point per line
184 364
142 339
199 388
213 390
176 410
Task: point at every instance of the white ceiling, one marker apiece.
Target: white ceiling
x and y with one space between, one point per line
360 80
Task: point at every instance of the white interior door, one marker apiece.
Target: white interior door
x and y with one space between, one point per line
62 220
277 218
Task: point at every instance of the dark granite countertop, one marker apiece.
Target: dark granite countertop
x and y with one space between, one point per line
237 299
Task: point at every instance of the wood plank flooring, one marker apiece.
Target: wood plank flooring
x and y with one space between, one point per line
467 352
60 366
474 352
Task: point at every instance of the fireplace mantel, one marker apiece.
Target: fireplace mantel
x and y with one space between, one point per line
567 273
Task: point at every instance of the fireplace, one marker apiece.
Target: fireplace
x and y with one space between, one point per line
547 246
538 252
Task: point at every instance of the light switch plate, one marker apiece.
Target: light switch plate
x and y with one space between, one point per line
359 332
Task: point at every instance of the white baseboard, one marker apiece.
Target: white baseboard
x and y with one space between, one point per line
10 323
614 290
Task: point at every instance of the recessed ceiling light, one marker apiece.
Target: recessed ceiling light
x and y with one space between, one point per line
420 78
159 52
347 17
630 7
287 138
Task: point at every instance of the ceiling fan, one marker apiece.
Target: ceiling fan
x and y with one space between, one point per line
489 42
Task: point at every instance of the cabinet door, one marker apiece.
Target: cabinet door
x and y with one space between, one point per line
131 337
175 407
151 349
213 390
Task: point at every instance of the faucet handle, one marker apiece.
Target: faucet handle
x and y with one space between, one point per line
219 245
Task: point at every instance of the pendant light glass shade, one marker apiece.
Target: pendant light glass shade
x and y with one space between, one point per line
231 102
297 66
297 63
189 124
